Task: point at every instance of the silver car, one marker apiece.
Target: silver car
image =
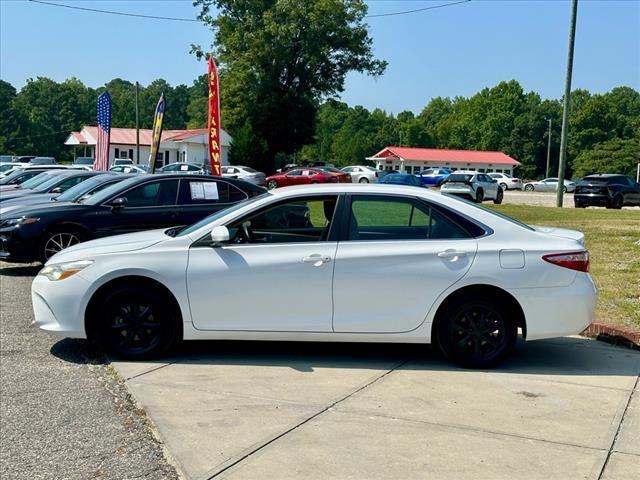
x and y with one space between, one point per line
475 186
247 174
361 173
549 185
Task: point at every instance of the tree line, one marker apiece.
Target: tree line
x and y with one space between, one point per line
604 129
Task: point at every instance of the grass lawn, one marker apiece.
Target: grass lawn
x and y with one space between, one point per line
613 241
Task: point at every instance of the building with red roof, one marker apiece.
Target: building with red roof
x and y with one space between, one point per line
175 145
414 160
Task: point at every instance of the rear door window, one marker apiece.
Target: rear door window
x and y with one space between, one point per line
152 194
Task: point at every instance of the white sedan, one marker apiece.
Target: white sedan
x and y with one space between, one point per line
549 185
309 258
361 173
247 174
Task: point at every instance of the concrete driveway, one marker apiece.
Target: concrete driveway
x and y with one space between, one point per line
566 409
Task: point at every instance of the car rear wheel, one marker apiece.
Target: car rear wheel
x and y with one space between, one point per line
363 180
503 186
479 196
476 333
57 240
272 184
499 197
616 202
135 322
528 188
564 189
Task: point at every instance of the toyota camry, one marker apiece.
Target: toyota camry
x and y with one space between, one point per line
452 273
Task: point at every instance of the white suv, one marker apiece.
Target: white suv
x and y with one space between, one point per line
473 185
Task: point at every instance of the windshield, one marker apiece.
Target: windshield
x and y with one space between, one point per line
9 178
8 166
47 184
82 188
83 161
220 214
459 177
36 180
111 190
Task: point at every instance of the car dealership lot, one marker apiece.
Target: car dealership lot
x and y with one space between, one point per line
281 410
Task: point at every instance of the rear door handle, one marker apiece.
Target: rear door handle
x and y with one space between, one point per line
316 259
453 255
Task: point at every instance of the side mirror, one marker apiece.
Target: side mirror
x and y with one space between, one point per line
57 190
219 235
118 203
493 180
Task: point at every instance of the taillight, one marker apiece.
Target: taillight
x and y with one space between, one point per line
514 180
574 260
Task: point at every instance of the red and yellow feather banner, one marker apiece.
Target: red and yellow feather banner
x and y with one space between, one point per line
213 123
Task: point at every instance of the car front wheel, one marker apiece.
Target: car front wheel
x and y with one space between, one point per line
528 188
57 240
479 196
363 180
476 334
499 197
135 322
272 184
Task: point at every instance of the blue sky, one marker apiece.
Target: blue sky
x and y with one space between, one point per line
450 51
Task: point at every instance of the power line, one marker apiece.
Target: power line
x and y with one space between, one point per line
180 19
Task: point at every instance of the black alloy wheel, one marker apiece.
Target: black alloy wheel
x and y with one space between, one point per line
137 322
476 334
499 197
617 202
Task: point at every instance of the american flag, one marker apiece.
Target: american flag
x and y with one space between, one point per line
101 161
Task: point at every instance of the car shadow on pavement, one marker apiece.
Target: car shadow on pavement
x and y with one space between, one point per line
575 356
20 270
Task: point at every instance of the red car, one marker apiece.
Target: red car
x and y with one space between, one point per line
301 176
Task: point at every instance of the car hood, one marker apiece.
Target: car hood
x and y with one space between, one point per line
41 209
561 232
115 244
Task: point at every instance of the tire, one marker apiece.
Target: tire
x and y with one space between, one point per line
479 196
579 205
503 186
616 202
271 184
528 188
58 239
363 180
499 197
136 321
476 333
564 189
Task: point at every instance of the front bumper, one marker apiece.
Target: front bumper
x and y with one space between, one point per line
17 245
58 306
558 311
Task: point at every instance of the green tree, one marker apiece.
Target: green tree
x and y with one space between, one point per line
278 59
11 122
611 156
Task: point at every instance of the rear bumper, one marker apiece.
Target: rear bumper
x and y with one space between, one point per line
591 198
558 311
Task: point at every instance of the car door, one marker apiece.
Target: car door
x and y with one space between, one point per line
149 205
293 177
490 186
274 275
550 185
398 256
199 197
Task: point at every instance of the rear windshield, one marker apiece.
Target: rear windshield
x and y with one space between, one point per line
459 177
330 169
250 170
602 180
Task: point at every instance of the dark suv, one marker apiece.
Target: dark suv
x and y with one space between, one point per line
608 190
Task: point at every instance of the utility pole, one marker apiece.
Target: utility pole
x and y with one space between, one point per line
137 129
546 174
565 107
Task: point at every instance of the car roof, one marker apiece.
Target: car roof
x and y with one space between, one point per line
605 175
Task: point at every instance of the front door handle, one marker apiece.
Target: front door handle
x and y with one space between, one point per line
316 259
452 255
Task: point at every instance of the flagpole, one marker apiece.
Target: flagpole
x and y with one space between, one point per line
137 129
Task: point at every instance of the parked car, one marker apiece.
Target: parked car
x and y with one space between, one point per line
475 186
182 167
400 179
129 169
84 162
122 161
608 190
361 173
6 158
6 166
506 181
23 173
549 185
23 158
43 161
52 181
247 174
303 176
76 193
433 176
141 202
474 277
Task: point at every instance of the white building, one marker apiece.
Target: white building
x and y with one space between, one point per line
175 145
414 160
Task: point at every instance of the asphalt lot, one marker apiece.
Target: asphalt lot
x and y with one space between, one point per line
543 199
62 414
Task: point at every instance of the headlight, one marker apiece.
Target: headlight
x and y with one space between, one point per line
60 271
12 222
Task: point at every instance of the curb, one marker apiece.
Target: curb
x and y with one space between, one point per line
616 334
